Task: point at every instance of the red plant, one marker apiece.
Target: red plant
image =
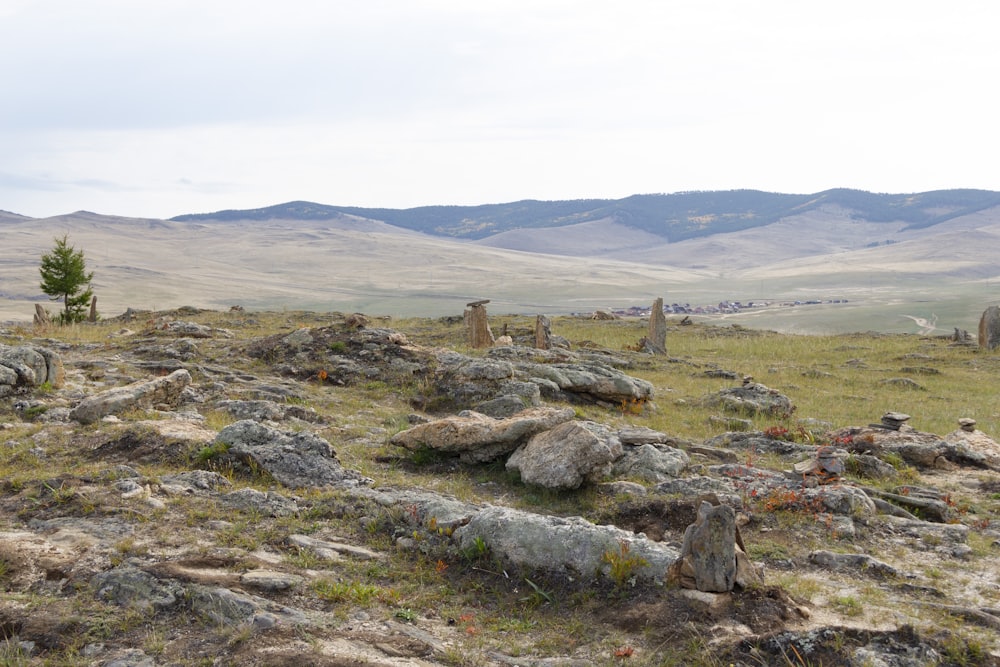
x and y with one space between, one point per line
624 652
777 432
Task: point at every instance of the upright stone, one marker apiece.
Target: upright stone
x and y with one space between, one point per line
989 328
93 309
708 555
41 317
543 333
477 325
656 339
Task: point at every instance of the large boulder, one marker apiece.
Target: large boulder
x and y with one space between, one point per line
27 367
156 393
567 456
477 438
989 328
295 459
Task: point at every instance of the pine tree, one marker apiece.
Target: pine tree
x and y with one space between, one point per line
64 276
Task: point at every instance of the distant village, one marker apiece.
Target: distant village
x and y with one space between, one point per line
723 307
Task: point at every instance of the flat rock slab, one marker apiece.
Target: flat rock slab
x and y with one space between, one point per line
477 438
138 395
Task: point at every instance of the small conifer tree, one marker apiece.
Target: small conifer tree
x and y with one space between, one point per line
64 276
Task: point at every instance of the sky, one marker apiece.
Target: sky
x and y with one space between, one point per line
160 108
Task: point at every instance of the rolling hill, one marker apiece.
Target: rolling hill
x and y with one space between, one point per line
889 256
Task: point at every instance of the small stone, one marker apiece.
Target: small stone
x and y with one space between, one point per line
967 424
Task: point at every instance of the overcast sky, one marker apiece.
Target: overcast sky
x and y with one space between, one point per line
163 107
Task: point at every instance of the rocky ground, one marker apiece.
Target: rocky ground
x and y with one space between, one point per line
193 488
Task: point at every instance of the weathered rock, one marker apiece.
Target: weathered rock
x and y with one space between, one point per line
24 367
702 485
227 608
590 381
652 463
131 587
989 328
860 563
868 466
758 442
294 459
262 410
567 546
567 456
752 399
158 392
478 438
252 501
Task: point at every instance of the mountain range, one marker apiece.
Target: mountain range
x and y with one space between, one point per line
892 257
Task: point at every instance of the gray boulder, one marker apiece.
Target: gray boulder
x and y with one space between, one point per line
26 367
478 438
156 393
567 456
294 459
752 399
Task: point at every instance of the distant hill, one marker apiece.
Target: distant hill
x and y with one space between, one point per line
673 217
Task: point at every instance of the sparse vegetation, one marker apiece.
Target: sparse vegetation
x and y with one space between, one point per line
472 599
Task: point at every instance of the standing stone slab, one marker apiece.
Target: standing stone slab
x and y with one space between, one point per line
989 328
478 326
712 558
543 333
656 338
